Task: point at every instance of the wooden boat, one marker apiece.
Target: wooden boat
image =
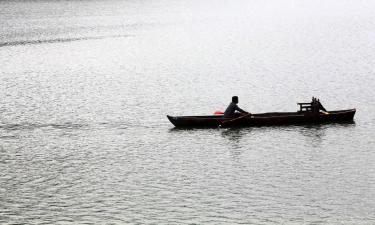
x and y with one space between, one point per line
264 119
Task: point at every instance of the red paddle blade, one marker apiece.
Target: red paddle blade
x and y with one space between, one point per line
218 113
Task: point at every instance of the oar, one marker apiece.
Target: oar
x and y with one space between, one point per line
235 119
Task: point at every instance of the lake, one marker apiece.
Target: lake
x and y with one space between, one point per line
85 87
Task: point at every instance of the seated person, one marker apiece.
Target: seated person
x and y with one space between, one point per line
232 108
316 105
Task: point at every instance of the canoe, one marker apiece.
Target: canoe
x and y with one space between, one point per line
263 119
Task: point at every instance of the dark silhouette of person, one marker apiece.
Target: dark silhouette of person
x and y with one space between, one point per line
232 108
316 106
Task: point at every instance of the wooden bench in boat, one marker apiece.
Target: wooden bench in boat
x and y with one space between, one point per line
305 107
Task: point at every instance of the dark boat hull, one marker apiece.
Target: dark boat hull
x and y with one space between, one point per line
264 119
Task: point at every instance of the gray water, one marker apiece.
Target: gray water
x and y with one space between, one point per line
85 87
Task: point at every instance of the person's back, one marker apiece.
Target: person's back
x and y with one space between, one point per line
314 105
233 107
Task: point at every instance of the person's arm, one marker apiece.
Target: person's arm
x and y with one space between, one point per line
321 107
240 110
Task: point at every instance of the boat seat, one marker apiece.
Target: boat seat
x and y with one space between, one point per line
305 107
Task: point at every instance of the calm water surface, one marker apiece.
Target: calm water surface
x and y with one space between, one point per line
85 87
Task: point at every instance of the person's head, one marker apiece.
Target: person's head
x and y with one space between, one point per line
235 99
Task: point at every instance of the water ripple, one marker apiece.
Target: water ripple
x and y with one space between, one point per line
32 126
57 40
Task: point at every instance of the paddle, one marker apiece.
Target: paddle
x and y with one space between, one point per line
225 123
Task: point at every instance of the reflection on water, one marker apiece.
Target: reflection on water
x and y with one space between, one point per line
233 137
315 133
234 134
